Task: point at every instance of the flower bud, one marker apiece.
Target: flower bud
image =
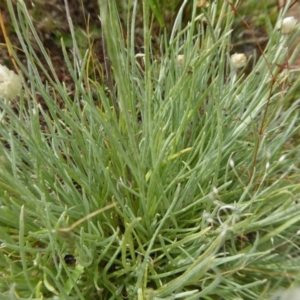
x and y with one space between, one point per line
238 60
10 83
288 24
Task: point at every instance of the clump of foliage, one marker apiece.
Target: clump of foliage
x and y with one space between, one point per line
170 179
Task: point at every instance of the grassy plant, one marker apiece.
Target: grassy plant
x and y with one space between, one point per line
175 181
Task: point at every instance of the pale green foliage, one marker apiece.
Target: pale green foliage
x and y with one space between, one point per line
199 161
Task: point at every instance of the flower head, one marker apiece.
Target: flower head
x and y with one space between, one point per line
180 60
288 24
10 83
202 3
291 294
238 60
